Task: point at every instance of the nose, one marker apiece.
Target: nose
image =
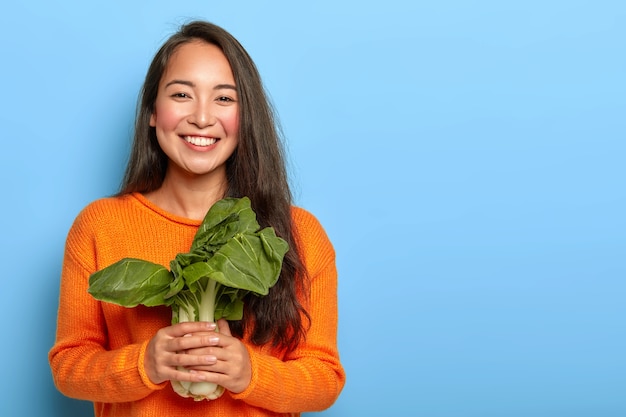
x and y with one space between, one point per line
202 116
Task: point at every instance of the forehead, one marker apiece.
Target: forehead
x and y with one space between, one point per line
198 59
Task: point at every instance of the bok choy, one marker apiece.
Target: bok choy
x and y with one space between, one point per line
230 257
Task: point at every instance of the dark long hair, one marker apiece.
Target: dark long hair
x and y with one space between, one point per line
256 170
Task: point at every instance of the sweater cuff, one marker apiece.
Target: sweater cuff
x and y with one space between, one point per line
142 369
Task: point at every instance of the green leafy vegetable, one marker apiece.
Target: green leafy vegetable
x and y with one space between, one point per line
230 257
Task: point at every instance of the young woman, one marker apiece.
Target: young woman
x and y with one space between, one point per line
204 131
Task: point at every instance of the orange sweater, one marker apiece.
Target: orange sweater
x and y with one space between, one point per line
99 350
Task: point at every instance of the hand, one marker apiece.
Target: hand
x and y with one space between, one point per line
169 349
227 360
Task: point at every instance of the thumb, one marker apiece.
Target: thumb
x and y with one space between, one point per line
222 325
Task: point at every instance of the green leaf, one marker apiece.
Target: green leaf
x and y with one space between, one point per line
231 310
249 262
130 282
224 219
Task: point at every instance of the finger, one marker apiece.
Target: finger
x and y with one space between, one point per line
219 363
224 328
193 361
181 329
217 368
182 374
232 376
191 342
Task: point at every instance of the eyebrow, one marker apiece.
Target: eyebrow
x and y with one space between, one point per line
191 84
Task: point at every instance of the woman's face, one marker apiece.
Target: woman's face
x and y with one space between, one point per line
196 114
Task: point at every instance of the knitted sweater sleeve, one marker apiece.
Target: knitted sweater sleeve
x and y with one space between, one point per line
82 366
311 377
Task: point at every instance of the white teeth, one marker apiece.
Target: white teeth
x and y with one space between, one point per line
199 141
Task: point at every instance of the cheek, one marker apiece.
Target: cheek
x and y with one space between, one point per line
231 123
164 118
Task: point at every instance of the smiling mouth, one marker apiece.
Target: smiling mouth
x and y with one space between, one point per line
200 141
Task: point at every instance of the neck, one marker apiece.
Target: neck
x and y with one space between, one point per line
188 197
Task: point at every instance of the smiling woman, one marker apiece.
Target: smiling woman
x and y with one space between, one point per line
196 118
205 135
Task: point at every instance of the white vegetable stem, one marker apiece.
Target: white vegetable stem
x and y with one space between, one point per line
206 312
207 302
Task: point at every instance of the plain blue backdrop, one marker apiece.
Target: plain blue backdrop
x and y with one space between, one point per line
467 159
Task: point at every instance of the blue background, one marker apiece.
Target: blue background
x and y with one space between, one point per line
465 157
